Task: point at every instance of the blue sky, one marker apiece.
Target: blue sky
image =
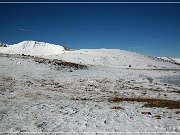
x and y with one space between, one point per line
152 29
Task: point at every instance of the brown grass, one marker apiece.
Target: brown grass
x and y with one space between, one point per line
150 102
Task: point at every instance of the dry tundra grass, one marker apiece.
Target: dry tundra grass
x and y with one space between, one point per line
150 102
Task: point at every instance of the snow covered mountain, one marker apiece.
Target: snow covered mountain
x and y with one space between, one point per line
33 48
99 57
170 59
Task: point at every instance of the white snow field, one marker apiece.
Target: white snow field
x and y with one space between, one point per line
33 48
88 91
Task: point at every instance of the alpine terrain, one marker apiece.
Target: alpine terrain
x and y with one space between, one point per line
48 88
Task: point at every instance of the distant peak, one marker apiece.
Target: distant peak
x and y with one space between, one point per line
34 48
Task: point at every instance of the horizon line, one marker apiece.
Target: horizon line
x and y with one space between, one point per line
53 2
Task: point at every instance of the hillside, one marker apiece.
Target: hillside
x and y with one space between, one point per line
45 88
113 58
39 96
99 57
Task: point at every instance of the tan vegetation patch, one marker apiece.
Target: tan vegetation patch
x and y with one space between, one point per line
162 103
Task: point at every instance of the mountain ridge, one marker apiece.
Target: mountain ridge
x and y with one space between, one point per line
99 57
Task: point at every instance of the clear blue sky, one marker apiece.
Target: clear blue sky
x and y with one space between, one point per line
152 29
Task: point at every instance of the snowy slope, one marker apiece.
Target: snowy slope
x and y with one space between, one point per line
101 57
112 58
35 97
42 97
33 48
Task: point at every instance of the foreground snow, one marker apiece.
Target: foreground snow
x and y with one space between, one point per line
38 97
